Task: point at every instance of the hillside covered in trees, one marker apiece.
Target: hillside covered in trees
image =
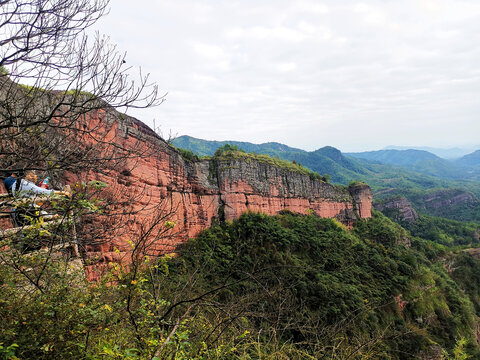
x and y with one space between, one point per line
289 286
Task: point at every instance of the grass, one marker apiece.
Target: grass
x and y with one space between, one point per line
75 92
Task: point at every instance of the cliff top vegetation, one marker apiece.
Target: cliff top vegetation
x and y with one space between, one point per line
228 152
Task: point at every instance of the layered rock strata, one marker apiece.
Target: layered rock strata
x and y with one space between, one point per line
400 209
448 198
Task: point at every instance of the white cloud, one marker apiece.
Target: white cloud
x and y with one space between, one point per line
281 33
311 7
431 5
210 51
286 67
342 73
307 27
215 55
373 15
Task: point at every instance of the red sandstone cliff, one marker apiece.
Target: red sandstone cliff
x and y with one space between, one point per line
199 192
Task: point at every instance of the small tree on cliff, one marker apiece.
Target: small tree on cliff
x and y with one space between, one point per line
227 148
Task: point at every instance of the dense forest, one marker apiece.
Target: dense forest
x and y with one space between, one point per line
260 287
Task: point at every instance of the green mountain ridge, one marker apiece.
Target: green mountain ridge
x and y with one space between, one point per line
344 168
421 161
396 157
472 159
444 153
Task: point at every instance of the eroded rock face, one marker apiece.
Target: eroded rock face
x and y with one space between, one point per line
446 198
400 209
255 186
362 198
199 192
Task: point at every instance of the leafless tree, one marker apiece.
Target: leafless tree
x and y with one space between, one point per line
59 91
53 77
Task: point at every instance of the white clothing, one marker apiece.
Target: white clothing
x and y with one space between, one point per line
29 189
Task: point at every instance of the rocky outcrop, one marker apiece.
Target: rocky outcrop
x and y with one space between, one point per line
453 204
362 198
448 198
256 186
399 209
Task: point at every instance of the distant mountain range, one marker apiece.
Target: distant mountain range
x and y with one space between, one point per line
421 161
472 160
389 172
450 154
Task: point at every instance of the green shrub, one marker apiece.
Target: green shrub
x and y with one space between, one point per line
188 155
226 149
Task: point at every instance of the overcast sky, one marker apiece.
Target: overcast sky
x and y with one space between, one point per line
354 75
